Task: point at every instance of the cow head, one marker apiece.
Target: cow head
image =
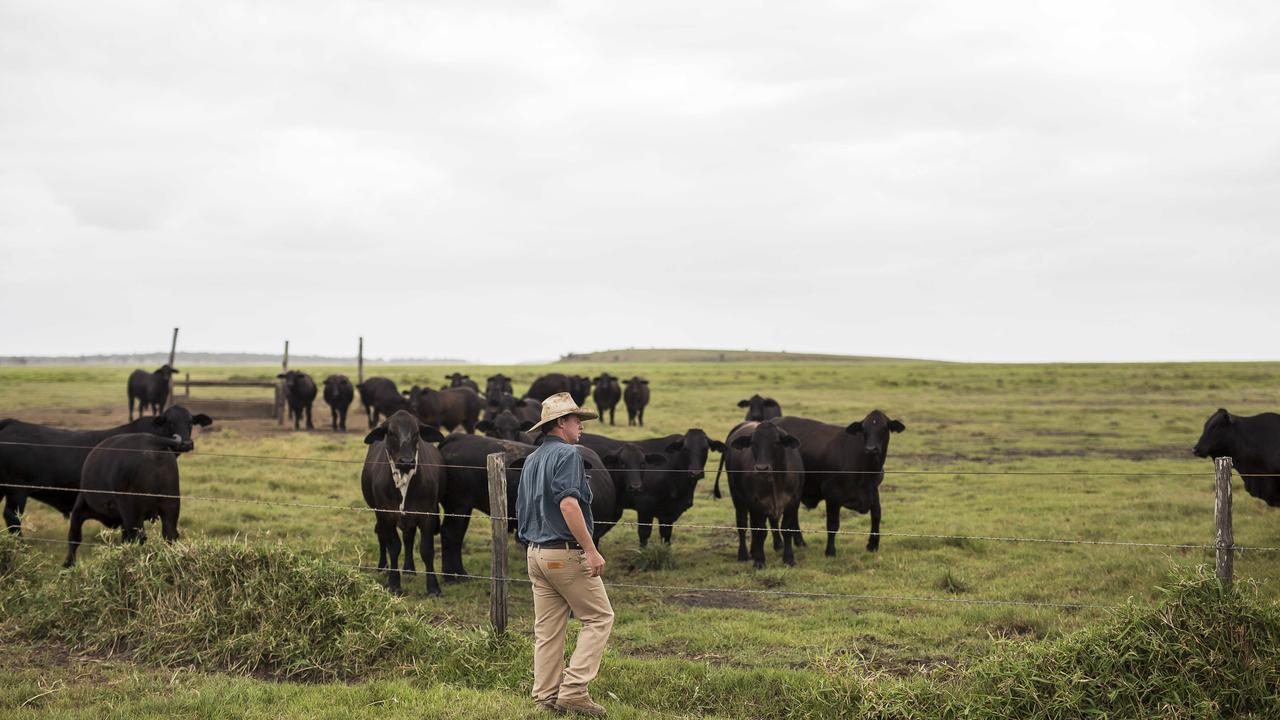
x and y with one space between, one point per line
760 408
401 433
176 422
769 445
165 371
605 379
630 463
1218 438
292 378
695 446
636 381
504 426
875 429
333 382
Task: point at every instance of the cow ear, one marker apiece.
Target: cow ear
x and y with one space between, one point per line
202 420
1226 416
281 375
854 428
896 426
676 446
716 446
376 435
790 442
655 459
644 382
484 426
744 403
742 442
430 434
527 425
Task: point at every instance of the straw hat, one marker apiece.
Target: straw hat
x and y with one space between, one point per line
559 405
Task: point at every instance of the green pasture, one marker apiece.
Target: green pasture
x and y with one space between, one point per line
1112 441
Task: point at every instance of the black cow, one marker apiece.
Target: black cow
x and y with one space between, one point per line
765 471
448 409
636 397
579 388
459 380
607 394
468 489
150 389
522 408
760 408
36 455
131 463
548 385
844 467
505 426
641 486
379 396
403 480
338 394
672 487
300 392
497 385
1253 444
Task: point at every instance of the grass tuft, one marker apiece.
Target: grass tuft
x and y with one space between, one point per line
654 556
951 582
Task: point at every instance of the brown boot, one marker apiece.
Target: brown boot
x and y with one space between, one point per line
581 705
549 706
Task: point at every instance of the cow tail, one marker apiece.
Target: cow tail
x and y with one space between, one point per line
715 492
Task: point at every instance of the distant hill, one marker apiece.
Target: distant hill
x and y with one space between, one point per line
651 355
148 360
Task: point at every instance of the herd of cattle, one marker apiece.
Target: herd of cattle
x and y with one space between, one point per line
413 470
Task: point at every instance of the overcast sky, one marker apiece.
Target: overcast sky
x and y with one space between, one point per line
512 181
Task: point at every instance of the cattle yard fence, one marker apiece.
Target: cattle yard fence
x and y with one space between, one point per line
1224 545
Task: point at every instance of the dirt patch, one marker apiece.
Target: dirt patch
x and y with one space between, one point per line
717 600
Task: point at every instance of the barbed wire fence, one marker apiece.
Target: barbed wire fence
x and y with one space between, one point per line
1224 547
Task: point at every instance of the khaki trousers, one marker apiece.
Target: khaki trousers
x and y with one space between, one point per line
562 582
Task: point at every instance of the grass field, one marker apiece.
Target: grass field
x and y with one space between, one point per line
1124 432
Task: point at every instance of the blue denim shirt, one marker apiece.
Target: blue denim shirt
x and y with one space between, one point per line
550 474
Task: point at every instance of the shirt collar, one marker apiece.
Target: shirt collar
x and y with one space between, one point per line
553 438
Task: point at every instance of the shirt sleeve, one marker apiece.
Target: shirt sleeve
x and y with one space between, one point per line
570 477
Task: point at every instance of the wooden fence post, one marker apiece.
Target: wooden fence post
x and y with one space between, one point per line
173 350
280 401
360 362
1226 543
497 465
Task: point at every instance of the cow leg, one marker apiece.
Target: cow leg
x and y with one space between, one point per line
342 422
429 554
740 519
790 519
833 525
390 539
333 418
758 533
169 510
873 542
14 503
452 533
640 417
382 545
130 408
644 528
665 526
409 526
612 410
131 523
777 536
309 425
79 513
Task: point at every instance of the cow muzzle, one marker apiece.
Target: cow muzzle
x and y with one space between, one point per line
1199 452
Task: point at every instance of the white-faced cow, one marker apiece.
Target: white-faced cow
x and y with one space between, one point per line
402 481
844 467
46 457
338 394
300 393
636 397
760 408
150 389
128 480
380 397
765 479
1253 444
607 394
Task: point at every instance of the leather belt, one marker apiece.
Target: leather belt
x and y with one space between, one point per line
558 545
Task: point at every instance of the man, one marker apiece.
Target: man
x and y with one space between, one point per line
554 516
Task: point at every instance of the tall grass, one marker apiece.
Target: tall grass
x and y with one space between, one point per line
1202 651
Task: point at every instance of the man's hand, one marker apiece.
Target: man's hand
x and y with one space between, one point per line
595 563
